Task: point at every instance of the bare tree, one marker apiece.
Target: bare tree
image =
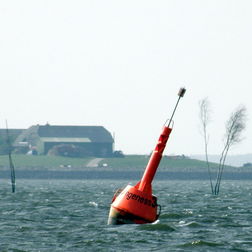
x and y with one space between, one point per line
205 119
234 127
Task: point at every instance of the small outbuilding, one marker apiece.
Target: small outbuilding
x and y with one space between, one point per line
75 141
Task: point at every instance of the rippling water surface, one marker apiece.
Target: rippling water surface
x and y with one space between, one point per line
71 215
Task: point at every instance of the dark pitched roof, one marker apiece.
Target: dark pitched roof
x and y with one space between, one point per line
94 133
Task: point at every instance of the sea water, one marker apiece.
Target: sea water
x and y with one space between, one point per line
71 215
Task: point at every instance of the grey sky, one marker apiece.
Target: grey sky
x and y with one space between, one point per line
120 64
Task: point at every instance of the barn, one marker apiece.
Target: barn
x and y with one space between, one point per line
75 141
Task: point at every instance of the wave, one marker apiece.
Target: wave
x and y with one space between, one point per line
157 227
200 243
192 224
171 216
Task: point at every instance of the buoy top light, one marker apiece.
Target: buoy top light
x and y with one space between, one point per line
181 92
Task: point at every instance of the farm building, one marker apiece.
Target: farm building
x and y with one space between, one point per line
75 141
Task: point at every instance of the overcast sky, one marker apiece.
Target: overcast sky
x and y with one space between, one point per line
120 64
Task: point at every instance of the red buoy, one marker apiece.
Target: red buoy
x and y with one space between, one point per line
136 204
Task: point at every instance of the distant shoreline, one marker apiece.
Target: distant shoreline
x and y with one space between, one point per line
128 168
121 175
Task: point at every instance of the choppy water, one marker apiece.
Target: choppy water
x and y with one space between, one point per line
71 215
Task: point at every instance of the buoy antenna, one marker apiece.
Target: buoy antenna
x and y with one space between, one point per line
181 93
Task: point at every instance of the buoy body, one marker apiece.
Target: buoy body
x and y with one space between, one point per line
133 206
136 204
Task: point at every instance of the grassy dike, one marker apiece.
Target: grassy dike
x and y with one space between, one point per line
128 163
28 162
139 162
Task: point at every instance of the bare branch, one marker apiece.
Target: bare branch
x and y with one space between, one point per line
205 118
235 125
205 113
